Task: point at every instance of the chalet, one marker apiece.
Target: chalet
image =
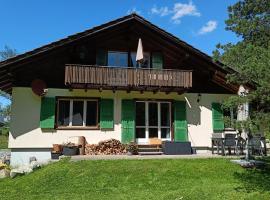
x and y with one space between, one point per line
90 84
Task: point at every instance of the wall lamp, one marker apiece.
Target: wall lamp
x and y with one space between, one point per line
199 97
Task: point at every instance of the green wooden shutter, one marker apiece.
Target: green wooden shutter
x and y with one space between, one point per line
128 121
180 121
101 58
157 60
47 113
106 114
217 117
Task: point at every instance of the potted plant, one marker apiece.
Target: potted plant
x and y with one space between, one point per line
133 148
56 151
70 149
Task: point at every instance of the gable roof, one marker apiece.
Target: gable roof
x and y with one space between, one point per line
70 39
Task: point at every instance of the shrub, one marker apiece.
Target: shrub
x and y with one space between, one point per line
133 148
4 131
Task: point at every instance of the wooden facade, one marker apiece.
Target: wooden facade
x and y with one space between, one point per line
184 67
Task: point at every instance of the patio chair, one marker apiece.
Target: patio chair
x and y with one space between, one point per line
263 141
217 142
255 145
230 143
240 145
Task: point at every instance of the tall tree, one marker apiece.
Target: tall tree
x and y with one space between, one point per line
250 57
250 20
6 53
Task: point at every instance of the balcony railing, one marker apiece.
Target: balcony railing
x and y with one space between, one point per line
90 75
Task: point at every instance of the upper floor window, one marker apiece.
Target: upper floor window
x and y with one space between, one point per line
146 62
126 59
117 59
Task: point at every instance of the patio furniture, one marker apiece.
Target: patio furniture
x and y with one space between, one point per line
193 150
70 150
240 145
155 141
55 155
255 145
263 141
230 143
217 142
176 148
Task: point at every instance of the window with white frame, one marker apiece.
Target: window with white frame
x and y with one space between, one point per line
77 113
153 120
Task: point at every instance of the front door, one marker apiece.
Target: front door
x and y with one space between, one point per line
153 120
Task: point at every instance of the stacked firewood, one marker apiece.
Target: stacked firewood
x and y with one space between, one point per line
106 147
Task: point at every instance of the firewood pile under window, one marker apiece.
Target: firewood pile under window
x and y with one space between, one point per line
106 147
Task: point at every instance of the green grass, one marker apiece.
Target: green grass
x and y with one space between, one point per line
140 179
3 142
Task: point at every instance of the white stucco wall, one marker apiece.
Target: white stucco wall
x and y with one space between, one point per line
25 131
22 156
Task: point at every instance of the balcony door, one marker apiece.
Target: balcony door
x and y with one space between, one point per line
153 120
145 64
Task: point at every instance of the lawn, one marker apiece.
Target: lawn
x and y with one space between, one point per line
140 179
3 142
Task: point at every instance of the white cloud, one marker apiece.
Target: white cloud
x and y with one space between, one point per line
133 10
162 11
178 11
181 10
209 27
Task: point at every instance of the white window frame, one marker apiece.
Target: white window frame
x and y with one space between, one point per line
71 100
159 127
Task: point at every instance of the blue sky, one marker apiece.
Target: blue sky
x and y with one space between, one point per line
30 24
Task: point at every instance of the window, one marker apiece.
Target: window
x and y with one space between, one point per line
230 116
63 112
146 62
120 59
91 113
165 119
117 59
153 120
77 113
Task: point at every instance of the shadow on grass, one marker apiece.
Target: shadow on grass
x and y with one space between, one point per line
257 179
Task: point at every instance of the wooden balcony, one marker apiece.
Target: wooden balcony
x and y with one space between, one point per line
89 76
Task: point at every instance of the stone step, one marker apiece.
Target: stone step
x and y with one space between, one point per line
150 149
150 153
149 146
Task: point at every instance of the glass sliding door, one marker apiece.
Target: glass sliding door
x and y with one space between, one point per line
153 120
165 120
141 122
153 116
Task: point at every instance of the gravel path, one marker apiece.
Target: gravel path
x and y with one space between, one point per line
120 157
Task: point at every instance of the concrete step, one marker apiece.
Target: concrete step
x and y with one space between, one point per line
150 153
149 146
150 149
